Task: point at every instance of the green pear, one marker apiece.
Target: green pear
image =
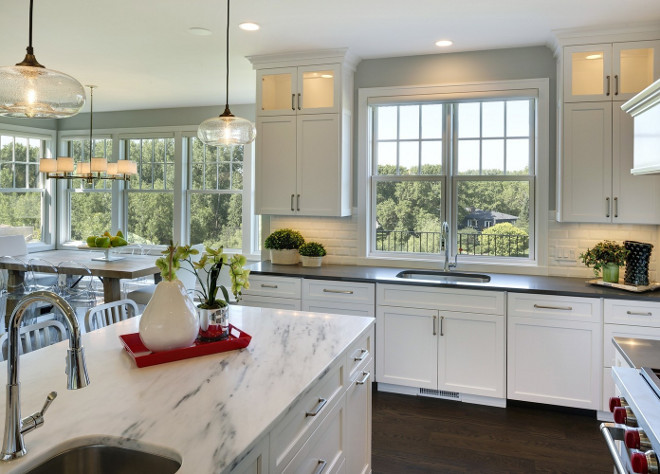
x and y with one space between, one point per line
91 241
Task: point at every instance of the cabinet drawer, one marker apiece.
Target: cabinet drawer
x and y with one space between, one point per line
638 313
357 309
269 302
324 450
279 287
338 291
305 416
360 353
448 299
554 307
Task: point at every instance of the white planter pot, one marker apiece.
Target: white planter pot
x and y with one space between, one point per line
284 257
170 319
311 261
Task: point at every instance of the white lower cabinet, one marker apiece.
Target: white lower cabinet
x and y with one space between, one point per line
358 421
338 297
427 342
554 350
275 292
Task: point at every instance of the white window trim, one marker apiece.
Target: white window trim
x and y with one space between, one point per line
374 95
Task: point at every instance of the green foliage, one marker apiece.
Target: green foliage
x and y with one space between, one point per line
506 240
210 264
284 239
603 253
312 249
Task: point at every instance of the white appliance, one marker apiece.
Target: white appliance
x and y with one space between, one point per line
645 110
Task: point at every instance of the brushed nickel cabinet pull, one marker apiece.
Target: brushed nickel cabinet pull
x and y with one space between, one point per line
319 406
320 466
616 207
364 379
298 202
435 331
293 100
299 101
636 313
268 285
442 320
343 292
292 209
561 308
607 207
608 86
616 84
363 354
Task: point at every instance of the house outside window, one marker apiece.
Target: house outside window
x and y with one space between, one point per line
22 193
440 157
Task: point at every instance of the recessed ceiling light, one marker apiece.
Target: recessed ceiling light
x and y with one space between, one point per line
444 43
326 76
594 56
248 26
197 31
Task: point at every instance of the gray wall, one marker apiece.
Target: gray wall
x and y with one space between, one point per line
49 124
452 68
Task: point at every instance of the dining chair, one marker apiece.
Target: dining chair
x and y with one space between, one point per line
76 287
36 336
36 280
109 313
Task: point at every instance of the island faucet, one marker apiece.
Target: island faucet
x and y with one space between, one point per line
445 239
13 445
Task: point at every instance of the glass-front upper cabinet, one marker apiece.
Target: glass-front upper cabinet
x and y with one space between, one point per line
609 71
298 90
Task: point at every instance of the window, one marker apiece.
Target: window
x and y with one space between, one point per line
89 204
216 194
150 194
22 196
453 154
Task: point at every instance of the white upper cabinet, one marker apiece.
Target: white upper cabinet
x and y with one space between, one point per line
609 71
299 90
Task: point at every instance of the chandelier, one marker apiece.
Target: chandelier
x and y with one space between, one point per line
226 129
96 168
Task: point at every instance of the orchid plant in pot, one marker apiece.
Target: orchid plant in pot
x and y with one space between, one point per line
213 309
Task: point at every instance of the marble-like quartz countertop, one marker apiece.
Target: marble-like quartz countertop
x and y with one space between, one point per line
207 411
498 281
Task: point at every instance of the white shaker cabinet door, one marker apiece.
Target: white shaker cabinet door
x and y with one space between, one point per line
407 346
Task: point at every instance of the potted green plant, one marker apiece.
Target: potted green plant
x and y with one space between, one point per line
607 256
283 245
311 254
212 309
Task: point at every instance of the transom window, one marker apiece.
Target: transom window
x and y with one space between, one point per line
467 162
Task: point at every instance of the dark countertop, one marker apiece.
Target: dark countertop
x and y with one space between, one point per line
639 352
499 281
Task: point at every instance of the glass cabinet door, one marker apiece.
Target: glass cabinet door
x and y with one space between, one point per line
276 91
318 89
587 73
636 66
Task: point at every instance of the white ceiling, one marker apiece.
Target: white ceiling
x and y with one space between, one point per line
141 56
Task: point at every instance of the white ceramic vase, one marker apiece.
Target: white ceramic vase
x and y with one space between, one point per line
284 256
170 319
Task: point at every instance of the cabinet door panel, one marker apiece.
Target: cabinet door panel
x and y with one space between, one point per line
319 89
635 66
276 89
586 72
275 176
471 354
318 165
552 362
586 174
406 347
358 422
636 198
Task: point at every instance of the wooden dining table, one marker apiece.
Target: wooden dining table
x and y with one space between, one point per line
110 272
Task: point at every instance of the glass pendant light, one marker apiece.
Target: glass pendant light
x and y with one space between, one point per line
29 90
226 129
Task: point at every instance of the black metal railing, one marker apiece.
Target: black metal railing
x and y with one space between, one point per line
469 243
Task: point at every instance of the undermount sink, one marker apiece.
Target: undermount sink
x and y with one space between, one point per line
443 277
102 458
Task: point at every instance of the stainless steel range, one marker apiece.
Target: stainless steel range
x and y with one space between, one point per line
634 437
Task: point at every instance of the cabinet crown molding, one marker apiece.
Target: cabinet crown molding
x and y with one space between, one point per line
604 34
305 58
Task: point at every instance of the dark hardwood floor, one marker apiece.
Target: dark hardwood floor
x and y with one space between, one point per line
426 435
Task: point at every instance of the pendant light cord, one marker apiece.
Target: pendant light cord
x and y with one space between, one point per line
227 112
29 48
91 121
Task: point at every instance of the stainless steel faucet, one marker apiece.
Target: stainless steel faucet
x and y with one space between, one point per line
13 445
445 239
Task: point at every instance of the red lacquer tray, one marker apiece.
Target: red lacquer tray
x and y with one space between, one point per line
143 357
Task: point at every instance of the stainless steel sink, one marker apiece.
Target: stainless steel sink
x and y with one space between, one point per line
443 277
102 458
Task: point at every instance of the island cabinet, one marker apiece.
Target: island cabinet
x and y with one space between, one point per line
275 292
554 350
441 341
596 74
303 144
625 318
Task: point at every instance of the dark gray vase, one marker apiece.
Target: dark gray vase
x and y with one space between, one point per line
637 263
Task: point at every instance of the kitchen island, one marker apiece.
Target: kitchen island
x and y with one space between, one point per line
214 413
